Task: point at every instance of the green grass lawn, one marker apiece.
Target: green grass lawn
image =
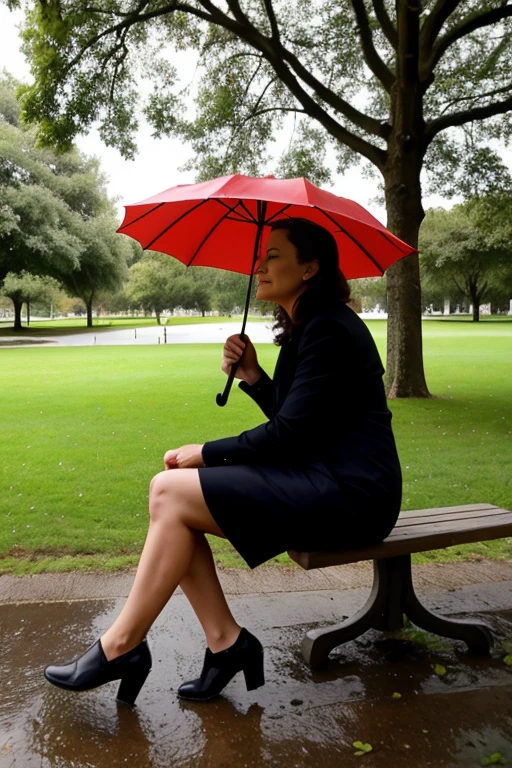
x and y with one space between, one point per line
85 428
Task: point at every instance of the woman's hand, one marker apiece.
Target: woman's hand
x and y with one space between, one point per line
248 369
186 457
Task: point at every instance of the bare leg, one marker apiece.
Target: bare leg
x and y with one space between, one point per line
177 513
203 590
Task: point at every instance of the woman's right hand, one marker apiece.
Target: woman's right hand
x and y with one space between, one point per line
248 369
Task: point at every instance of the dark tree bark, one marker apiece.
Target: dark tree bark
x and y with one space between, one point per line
88 304
18 304
405 375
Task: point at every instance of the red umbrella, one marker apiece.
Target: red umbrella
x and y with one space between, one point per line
220 223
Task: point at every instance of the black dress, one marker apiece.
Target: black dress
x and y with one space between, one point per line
323 472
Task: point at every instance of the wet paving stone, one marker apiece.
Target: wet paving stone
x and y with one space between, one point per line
415 700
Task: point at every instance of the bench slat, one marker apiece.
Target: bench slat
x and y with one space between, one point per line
492 523
447 510
454 519
442 512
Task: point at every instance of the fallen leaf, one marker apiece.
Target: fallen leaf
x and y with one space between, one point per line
494 759
440 670
396 695
362 748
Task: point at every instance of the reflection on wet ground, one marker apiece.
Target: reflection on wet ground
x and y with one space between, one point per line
384 691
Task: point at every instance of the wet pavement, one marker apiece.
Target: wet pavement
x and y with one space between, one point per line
452 709
207 333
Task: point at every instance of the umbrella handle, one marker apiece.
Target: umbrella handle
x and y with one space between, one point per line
222 399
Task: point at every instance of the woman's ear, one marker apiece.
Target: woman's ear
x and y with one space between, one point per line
311 269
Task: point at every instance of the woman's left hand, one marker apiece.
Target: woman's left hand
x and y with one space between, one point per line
186 457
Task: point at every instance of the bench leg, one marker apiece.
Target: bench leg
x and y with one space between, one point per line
475 634
391 597
318 643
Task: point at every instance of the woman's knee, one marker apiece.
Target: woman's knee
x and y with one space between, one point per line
162 494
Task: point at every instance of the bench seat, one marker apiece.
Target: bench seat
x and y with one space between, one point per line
392 597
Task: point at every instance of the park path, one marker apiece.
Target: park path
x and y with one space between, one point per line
211 333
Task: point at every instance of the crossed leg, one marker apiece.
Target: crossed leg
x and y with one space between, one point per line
175 552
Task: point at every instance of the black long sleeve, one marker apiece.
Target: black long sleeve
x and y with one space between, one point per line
261 393
318 403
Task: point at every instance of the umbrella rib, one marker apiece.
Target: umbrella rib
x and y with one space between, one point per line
278 213
351 237
242 219
146 213
212 230
171 225
389 240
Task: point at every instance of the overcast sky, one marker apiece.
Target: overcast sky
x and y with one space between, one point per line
156 165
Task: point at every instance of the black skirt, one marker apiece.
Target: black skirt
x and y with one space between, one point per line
264 511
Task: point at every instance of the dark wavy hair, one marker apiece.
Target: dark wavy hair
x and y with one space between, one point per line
324 290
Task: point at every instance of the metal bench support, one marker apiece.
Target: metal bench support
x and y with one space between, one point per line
393 597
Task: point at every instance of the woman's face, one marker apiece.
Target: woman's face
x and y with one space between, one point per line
280 277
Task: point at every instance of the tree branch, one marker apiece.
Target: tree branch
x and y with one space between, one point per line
485 95
434 127
367 123
277 57
387 25
356 143
433 24
371 57
473 22
273 21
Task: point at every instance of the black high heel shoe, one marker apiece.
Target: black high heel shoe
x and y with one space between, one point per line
92 669
245 655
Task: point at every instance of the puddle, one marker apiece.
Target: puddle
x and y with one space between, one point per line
300 718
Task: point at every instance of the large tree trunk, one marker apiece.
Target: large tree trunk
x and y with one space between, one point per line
18 304
475 297
88 305
405 376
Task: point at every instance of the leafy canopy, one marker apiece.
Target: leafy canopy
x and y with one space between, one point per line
265 66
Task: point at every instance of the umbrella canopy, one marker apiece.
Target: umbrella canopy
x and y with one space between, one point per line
221 223
195 222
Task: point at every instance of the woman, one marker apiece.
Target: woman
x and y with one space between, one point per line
321 473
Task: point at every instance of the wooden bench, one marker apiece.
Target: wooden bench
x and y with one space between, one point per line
393 596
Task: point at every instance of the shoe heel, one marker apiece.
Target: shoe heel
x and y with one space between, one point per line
130 687
254 675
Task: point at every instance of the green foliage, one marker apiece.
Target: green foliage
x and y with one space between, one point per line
28 288
259 68
55 216
467 250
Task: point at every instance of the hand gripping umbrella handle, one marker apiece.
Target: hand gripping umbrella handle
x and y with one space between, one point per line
222 399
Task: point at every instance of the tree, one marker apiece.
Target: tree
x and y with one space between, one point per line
157 283
55 216
103 262
379 80
467 247
38 232
200 298
26 288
